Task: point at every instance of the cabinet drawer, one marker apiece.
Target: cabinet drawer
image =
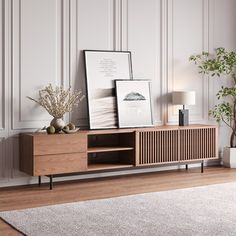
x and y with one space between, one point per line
60 163
59 144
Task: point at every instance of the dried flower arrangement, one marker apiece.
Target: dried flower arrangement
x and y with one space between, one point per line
58 101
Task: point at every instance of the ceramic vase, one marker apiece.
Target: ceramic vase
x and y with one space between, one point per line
58 124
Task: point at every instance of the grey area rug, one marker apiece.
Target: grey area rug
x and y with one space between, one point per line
208 210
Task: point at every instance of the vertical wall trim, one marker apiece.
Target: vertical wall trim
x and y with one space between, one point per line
111 18
124 25
65 35
2 69
206 46
7 62
73 47
164 60
117 25
211 82
169 59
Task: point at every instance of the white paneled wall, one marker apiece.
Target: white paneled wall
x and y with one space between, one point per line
141 27
37 56
187 35
93 26
42 41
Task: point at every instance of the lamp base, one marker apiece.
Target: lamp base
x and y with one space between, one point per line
183 117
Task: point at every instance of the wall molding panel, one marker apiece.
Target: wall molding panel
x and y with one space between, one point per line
39 57
146 60
228 38
86 32
42 42
187 34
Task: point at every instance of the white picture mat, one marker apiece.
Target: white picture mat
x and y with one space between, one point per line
102 69
134 113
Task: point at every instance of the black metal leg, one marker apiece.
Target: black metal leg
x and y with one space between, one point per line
202 164
51 181
39 181
186 166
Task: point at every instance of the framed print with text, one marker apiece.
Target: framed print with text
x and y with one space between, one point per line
102 69
134 103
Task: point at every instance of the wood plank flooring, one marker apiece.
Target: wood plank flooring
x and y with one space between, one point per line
13 198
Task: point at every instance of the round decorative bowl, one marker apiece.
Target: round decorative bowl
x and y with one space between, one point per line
72 131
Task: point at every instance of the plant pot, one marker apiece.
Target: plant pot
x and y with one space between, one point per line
58 124
229 157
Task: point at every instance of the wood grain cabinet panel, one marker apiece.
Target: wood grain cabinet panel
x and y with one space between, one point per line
197 144
60 163
56 144
181 144
159 146
43 154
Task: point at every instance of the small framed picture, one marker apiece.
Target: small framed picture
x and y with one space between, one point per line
134 103
102 69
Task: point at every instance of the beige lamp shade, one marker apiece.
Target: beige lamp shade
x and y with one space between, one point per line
183 97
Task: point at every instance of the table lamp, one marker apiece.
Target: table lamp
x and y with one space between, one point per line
183 98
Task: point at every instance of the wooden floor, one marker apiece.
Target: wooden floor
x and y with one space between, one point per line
13 198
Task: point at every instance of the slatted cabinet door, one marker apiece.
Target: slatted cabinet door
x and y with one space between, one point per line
156 147
198 144
182 144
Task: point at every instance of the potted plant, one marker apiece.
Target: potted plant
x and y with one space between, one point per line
219 64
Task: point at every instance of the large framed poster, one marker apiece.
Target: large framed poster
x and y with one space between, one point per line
102 69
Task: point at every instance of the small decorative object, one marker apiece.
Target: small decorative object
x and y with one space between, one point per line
57 123
68 131
183 98
57 101
134 103
66 128
102 68
41 130
51 129
222 63
70 128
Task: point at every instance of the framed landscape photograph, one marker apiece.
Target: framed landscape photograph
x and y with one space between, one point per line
134 103
102 69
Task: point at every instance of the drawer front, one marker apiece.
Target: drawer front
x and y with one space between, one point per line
59 144
60 163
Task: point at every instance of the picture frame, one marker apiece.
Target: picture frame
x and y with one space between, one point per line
102 68
134 103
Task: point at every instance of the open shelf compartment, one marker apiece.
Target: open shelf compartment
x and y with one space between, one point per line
111 151
111 142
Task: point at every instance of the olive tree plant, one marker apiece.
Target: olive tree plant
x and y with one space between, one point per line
219 64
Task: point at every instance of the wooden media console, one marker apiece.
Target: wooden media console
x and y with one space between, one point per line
113 149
